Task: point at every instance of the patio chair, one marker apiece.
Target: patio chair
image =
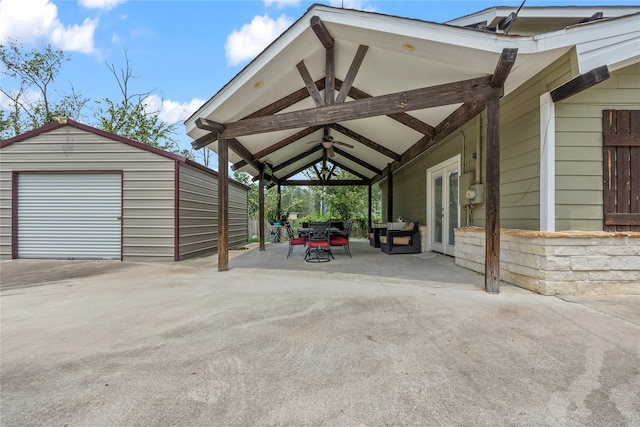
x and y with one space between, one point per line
318 243
342 238
293 240
403 241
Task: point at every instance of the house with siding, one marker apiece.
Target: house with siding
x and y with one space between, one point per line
511 135
71 191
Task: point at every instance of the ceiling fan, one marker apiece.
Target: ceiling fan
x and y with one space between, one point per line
328 141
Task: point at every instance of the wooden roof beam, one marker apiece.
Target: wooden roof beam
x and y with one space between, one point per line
580 83
504 66
322 32
453 122
286 101
417 99
319 182
404 118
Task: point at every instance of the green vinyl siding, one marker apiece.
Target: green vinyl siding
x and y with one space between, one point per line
579 198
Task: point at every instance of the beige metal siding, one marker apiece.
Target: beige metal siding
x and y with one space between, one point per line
147 194
198 212
579 192
238 215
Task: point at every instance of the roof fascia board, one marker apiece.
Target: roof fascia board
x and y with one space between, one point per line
608 42
416 29
494 14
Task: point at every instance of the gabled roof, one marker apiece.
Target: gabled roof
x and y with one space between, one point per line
402 55
72 123
538 20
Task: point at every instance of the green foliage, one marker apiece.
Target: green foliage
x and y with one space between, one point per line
130 116
316 217
34 103
131 120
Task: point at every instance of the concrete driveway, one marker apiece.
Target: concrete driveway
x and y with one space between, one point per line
337 344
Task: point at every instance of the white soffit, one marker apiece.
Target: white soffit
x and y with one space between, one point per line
440 54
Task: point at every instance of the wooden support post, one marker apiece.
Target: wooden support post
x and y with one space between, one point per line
261 232
369 204
389 194
492 204
223 205
279 200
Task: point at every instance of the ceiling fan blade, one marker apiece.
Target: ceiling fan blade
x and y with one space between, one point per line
343 143
331 153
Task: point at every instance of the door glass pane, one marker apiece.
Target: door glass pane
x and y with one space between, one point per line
438 210
453 205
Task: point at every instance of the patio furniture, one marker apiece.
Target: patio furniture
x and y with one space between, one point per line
374 236
293 240
403 241
318 243
342 238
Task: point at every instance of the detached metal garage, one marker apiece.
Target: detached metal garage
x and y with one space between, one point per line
70 191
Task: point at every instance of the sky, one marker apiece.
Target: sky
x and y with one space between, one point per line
183 52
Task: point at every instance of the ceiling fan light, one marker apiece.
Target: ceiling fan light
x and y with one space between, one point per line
327 144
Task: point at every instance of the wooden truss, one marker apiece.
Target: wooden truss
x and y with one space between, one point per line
475 95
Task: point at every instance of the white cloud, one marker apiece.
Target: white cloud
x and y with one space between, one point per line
172 111
282 3
30 21
252 38
101 4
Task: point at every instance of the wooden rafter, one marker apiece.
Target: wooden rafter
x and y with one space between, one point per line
351 74
297 158
365 141
348 169
356 160
314 93
278 145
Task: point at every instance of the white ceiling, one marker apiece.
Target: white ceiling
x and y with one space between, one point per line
441 54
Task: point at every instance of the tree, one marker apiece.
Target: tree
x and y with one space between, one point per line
129 117
35 103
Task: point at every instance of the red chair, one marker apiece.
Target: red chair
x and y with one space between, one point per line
293 240
318 243
342 238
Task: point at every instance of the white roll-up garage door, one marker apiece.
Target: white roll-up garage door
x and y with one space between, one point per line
69 215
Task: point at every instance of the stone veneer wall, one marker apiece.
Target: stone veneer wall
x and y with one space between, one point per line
551 263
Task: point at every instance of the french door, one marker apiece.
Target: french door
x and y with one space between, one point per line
443 209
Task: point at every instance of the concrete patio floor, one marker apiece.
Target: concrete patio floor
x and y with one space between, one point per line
372 340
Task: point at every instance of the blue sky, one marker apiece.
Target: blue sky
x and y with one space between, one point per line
184 51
